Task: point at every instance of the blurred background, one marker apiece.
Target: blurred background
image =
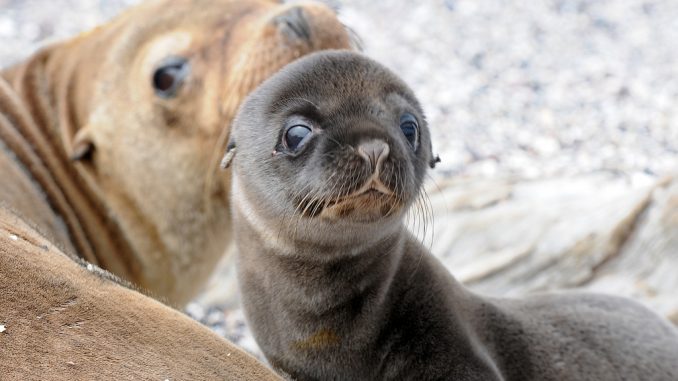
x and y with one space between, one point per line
511 88
556 122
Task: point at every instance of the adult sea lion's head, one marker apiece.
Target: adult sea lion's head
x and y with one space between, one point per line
143 105
333 146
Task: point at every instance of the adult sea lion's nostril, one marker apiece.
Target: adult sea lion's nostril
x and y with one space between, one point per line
293 23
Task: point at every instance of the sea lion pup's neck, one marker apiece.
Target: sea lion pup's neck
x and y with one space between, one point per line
346 306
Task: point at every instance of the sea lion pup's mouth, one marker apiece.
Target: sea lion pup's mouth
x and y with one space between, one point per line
373 199
369 206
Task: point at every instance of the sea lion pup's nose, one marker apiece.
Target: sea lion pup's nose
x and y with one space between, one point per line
293 23
375 152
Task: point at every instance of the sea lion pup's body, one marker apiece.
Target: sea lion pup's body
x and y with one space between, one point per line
330 153
110 142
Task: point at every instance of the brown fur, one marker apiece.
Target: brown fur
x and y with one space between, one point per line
67 323
144 200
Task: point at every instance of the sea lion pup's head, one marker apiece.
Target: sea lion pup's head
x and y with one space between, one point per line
333 146
144 105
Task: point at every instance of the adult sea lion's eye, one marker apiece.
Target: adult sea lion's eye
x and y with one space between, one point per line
409 127
169 76
295 136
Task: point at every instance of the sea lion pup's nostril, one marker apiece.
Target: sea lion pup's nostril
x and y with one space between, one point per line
293 23
375 152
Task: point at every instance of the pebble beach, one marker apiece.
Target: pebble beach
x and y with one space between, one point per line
511 88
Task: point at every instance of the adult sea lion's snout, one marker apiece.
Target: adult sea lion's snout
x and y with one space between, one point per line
293 22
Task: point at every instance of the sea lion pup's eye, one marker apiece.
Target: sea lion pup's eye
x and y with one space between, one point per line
295 136
409 127
169 76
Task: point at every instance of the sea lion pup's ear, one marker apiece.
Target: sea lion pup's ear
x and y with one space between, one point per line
435 160
83 146
230 154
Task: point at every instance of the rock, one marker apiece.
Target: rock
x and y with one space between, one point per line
598 232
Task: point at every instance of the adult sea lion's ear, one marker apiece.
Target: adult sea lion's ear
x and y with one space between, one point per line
83 146
230 154
435 160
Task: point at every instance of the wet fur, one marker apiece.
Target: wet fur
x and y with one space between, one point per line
338 297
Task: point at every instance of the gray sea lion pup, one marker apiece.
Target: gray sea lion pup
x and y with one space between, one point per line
331 152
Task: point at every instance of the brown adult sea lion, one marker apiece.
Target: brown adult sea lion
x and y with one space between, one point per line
329 155
109 142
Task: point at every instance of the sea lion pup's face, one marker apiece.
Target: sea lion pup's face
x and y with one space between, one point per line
168 79
333 142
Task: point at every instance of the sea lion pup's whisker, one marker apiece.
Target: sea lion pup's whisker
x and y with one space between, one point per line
334 196
331 199
415 211
300 215
431 218
418 212
396 195
308 204
433 181
306 190
301 206
292 216
311 208
318 205
420 255
421 216
424 215
399 189
315 196
342 145
356 40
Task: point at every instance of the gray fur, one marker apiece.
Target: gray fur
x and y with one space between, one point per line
335 293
